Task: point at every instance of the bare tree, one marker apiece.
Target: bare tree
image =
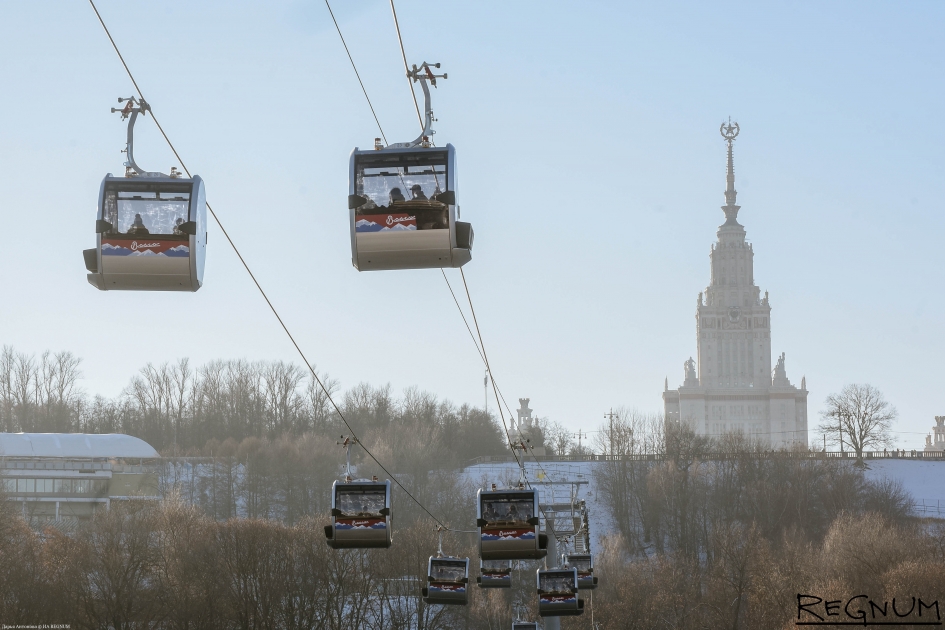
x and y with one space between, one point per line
7 399
558 438
320 409
859 416
283 403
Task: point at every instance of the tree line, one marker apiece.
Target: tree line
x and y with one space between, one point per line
184 410
726 543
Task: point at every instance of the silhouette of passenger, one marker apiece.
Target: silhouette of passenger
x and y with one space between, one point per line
417 192
396 195
177 225
137 227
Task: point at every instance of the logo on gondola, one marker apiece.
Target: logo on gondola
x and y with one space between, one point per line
507 534
558 599
361 523
441 586
385 223
128 247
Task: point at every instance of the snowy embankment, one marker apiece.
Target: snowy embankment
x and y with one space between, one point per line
924 480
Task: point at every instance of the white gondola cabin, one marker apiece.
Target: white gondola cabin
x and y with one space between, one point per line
150 228
402 200
403 211
558 593
495 574
508 525
447 581
584 563
360 513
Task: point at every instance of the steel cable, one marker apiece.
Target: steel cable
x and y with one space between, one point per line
259 286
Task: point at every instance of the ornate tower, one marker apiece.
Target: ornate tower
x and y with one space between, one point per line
732 325
734 388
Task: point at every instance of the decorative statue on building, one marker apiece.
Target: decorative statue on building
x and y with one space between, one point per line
780 373
699 300
690 366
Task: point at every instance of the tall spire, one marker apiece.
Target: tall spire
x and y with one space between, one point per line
730 131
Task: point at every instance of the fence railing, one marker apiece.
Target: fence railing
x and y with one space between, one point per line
911 455
926 506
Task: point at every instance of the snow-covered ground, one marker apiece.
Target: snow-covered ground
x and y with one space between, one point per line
925 480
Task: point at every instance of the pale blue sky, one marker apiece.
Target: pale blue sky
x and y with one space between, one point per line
591 170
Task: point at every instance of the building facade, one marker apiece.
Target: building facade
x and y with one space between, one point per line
64 478
730 386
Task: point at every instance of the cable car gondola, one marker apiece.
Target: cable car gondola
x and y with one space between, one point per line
151 228
508 525
360 509
495 574
447 581
584 563
402 201
360 512
558 593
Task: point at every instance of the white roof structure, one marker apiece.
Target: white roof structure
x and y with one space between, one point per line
75 446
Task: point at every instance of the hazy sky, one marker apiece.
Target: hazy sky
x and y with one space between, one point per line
591 169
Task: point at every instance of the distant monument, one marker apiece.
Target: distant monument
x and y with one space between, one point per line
935 441
734 389
524 414
525 426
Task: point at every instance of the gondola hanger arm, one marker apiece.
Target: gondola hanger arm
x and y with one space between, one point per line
423 75
133 107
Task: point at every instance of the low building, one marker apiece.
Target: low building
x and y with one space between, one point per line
65 477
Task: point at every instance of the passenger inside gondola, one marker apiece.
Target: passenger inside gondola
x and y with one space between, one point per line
382 180
443 572
144 213
137 227
508 512
360 504
557 585
417 192
583 565
495 567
